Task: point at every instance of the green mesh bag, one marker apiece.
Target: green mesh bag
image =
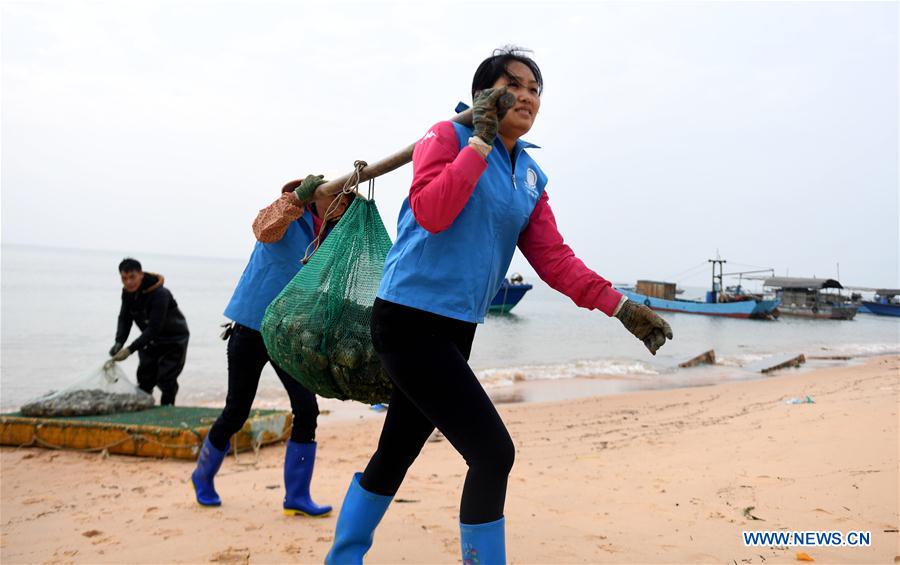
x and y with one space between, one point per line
317 329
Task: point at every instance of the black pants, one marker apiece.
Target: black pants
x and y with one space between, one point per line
159 366
247 356
426 356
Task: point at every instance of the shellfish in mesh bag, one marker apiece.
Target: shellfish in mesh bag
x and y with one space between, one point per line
317 329
106 390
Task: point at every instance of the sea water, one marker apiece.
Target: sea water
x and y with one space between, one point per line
59 307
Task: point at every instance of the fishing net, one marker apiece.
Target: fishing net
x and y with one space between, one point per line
317 329
106 390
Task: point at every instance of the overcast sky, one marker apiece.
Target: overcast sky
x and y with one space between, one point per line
768 131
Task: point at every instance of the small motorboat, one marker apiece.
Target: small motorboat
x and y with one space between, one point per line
511 291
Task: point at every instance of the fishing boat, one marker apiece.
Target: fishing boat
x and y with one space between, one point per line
660 295
857 300
808 298
886 302
511 291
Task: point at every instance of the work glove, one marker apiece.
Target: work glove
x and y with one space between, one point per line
307 188
115 348
644 324
488 108
121 354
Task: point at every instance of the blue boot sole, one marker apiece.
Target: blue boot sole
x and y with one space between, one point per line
294 512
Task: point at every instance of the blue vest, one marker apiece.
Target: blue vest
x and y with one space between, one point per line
271 267
456 272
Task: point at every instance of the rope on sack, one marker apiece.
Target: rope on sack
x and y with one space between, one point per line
256 444
350 187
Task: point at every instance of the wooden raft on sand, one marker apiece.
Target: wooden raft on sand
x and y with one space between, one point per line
163 431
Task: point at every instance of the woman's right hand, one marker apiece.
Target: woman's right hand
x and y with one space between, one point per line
485 115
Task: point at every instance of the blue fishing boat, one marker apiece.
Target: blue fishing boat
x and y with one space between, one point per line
511 292
857 300
661 296
886 303
762 309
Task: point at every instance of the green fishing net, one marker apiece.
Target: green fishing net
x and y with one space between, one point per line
317 329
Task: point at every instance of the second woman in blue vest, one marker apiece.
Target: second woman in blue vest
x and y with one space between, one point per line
283 231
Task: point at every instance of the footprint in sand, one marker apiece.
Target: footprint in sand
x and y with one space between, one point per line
608 548
166 533
232 555
99 538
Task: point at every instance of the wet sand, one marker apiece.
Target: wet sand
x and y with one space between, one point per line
670 476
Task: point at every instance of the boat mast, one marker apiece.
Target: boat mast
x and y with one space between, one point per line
713 296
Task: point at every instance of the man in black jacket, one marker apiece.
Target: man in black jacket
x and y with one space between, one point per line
162 345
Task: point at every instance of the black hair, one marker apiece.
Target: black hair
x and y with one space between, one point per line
128 265
494 67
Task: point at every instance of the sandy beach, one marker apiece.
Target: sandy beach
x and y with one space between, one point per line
652 477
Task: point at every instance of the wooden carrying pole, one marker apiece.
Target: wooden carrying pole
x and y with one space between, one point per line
383 166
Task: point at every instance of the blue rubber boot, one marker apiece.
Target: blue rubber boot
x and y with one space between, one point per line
355 531
483 544
299 460
208 463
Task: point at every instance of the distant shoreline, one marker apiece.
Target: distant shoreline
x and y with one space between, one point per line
137 253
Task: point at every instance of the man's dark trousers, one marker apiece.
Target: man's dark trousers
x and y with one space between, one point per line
160 364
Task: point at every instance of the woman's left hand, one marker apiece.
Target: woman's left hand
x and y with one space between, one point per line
645 325
307 189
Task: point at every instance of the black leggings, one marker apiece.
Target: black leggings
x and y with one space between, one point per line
426 356
247 356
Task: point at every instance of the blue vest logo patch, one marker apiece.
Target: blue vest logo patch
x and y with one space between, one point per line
531 182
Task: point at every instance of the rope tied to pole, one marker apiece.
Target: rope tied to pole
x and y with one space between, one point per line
351 186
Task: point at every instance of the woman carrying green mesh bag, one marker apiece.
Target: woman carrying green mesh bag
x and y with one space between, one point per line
317 328
283 232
